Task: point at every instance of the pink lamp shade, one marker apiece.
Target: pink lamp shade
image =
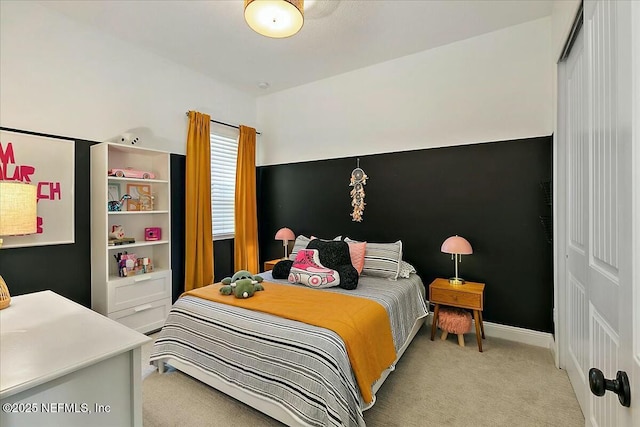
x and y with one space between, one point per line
457 245
285 234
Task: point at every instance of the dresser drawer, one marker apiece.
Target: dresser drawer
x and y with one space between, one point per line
458 299
144 317
133 291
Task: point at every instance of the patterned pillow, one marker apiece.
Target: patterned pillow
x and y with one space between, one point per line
406 269
307 270
357 251
301 243
337 238
382 259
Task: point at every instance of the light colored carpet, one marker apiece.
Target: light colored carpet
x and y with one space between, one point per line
436 383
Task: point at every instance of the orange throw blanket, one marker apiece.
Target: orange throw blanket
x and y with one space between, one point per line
364 326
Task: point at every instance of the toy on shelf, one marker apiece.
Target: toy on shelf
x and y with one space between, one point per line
117 232
128 138
117 237
152 233
130 173
145 202
116 205
132 265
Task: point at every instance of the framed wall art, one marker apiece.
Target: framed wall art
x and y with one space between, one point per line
141 198
49 164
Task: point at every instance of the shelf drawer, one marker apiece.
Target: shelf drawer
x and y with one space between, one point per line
144 317
455 298
133 291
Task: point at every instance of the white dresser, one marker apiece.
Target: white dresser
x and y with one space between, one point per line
62 364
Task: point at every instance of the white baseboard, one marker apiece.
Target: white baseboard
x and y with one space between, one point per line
514 333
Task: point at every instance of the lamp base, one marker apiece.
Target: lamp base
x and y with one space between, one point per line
456 281
5 298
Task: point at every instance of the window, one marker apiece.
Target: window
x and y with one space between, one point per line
224 156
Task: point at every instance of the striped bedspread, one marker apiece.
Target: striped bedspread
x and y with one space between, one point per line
301 367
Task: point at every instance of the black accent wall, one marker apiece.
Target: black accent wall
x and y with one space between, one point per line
489 193
222 249
178 195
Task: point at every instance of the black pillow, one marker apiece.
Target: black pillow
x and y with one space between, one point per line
334 254
348 276
281 269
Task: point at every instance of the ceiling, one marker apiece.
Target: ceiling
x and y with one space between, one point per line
212 38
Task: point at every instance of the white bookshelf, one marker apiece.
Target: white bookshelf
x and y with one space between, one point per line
140 301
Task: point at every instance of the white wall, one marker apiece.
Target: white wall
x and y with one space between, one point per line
63 78
497 86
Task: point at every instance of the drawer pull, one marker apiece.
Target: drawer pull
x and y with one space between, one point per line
141 279
142 308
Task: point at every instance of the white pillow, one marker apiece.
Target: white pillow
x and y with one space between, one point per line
406 269
301 243
382 259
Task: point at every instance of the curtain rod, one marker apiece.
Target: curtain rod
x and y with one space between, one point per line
226 124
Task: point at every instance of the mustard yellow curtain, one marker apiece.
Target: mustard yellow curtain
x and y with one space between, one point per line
198 269
246 213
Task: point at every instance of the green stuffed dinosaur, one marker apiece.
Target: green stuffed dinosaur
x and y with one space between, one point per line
243 284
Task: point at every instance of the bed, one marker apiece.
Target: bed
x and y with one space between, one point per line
295 372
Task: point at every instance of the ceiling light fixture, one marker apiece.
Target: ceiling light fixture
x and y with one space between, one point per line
274 18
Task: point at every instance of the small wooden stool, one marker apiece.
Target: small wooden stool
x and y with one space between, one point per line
455 321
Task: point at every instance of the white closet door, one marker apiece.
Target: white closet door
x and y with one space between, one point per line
595 142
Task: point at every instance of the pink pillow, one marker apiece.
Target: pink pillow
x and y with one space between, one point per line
356 251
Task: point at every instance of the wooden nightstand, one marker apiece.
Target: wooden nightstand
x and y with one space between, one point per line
469 295
268 265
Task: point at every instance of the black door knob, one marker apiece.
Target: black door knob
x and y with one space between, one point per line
620 386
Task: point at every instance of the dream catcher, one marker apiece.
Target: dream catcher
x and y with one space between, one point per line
358 181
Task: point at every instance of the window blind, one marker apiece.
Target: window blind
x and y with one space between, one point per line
224 155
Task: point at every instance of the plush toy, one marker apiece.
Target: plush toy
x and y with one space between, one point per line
117 232
242 284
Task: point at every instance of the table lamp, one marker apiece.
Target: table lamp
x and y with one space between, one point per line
285 234
18 215
456 246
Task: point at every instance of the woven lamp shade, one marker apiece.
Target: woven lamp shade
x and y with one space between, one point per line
18 208
18 215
